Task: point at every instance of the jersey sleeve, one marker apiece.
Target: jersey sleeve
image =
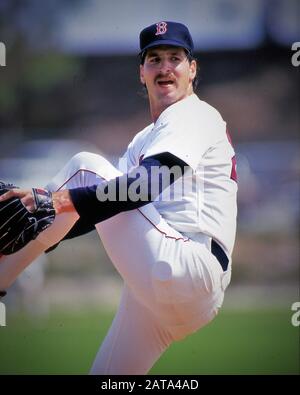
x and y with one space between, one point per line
130 158
186 136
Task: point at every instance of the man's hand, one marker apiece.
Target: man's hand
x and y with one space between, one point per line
25 195
61 200
24 214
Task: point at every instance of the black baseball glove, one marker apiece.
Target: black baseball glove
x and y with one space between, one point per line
18 226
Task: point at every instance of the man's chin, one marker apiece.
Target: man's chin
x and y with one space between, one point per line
169 98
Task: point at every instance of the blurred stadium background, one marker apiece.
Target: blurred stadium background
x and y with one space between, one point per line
71 84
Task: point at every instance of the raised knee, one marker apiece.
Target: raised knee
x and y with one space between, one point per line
85 160
94 163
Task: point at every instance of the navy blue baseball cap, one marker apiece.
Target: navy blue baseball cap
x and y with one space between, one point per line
166 33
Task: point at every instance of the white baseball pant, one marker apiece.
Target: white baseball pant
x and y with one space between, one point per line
172 285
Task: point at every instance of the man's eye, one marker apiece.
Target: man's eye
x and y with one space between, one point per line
175 59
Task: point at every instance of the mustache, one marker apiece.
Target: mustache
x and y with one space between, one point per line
169 76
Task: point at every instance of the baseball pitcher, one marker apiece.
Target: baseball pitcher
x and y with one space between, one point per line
166 216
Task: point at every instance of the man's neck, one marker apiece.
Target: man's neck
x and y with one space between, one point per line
157 110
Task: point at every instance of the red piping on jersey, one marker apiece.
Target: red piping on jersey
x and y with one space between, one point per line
229 137
233 174
164 233
75 175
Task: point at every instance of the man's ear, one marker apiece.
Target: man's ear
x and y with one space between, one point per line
142 79
193 69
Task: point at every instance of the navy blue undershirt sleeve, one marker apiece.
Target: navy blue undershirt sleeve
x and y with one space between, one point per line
93 211
86 223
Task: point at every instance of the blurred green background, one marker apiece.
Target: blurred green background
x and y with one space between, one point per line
71 84
237 342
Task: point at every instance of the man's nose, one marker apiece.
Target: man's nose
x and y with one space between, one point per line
165 67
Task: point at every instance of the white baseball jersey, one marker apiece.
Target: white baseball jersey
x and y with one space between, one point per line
195 132
173 286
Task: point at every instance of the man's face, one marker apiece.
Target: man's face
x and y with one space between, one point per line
168 75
